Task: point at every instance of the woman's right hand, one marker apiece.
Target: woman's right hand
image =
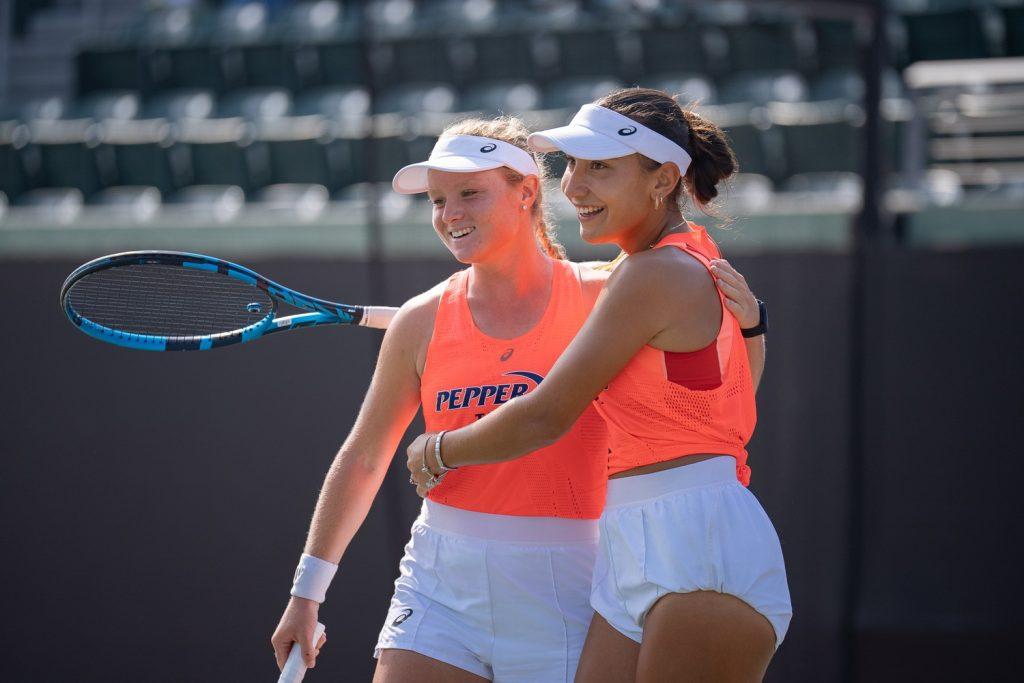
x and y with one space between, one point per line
296 626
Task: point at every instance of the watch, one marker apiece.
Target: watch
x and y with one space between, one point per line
762 323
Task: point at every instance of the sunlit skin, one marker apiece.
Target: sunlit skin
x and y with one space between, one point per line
482 204
608 195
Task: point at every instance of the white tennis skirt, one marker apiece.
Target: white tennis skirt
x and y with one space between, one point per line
501 596
690 528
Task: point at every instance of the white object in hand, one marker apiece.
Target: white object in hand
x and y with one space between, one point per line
295 668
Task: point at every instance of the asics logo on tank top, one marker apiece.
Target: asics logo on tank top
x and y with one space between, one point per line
487 394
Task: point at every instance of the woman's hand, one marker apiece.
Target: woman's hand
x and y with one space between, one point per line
418 460
740 301
296 626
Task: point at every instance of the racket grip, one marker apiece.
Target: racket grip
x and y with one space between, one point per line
377 317
295 668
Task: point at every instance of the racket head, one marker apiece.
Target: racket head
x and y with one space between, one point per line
168 301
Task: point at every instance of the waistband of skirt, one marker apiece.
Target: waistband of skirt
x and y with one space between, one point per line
643 487
509 528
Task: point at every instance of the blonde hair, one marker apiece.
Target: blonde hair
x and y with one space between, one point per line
513 131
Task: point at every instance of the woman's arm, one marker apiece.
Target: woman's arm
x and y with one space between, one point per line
359 467
648 294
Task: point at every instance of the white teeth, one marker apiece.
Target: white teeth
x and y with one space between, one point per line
589 211
461 233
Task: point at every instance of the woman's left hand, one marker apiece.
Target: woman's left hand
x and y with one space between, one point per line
740 301
416 454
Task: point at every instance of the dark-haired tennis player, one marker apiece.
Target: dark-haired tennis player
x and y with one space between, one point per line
495 581
690 583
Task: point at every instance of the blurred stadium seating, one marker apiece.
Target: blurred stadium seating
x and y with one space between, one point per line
184 108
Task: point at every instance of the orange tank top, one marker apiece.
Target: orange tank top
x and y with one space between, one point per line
468 374
664 405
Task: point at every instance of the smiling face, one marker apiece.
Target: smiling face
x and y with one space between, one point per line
612 197
477 215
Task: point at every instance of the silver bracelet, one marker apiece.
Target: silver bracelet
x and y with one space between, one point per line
437 454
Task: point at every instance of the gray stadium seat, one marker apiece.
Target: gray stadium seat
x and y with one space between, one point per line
256 104
129 203
422 59
953 34
764 87
830 191
393 206
747 193
837 44
574 93
112 67
677 49
294 202
220 152
54 205
144 154
342 103
819 138
438 98
605 52
13 176
689 87
340 63
107 104
65 154
174 105
3 205
1013 20
207 203
509 97
509 54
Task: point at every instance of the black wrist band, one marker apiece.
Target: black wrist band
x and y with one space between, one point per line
762 323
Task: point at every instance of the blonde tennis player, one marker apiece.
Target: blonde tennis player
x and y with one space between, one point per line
690 583
495 581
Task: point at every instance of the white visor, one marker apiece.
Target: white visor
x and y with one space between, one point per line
464 154
600 133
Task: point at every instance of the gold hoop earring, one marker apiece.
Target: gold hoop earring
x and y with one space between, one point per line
657 201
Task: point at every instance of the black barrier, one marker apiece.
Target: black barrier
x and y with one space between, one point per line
154 505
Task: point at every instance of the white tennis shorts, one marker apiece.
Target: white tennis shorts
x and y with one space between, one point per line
504 597
690 528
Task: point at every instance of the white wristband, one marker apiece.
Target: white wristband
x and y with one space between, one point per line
312 578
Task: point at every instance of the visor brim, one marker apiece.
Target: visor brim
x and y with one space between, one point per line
412 179
578 142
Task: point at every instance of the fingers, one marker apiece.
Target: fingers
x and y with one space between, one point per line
281 650
309 652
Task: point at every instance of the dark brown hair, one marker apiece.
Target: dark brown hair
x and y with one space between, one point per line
513 131
712 158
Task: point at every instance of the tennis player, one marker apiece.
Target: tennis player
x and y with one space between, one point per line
690 582
495 581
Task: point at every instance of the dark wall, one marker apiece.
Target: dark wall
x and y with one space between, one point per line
154 505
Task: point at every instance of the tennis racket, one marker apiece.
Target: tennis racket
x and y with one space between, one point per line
295 667
176 301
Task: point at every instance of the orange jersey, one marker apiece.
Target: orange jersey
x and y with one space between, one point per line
664 405
468 374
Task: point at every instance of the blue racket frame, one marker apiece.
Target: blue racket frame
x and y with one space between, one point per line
321 311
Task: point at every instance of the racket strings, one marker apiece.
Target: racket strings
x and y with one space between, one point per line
168 300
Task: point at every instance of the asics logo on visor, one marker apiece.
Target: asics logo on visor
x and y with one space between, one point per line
627 131
488 148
